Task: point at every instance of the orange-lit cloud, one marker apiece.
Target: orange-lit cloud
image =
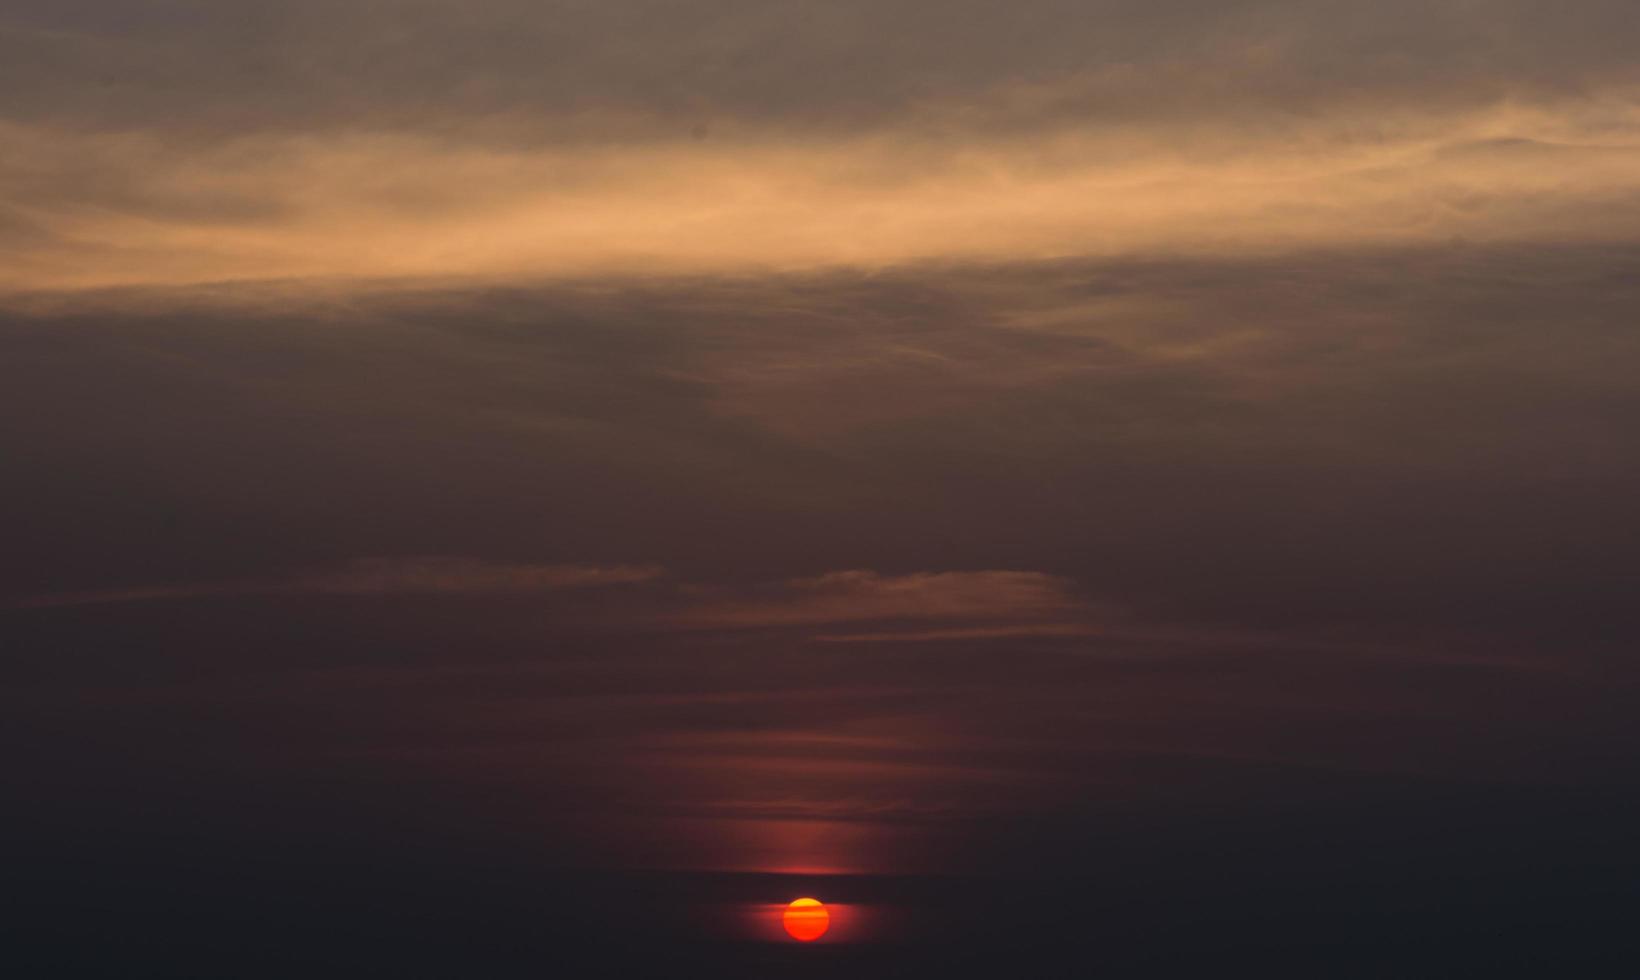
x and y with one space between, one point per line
351 142
128 208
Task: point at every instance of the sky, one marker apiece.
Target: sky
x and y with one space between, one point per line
1048 476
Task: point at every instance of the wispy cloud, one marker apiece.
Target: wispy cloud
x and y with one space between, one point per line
960 634
379 577
1009 597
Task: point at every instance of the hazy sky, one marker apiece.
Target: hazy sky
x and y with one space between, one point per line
865 436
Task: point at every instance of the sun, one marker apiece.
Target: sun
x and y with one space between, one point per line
806 919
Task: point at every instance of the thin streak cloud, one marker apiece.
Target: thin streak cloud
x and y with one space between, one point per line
857 596
379 577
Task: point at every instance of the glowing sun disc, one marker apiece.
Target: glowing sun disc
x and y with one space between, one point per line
806 920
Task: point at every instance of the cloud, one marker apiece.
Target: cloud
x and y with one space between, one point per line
866 596
1434 434
131 208
380 577
384 576
563 68
357 141
965 634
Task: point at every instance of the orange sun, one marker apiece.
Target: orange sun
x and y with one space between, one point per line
806 919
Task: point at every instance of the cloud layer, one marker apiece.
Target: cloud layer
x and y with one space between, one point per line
378 577
354 142
865 596
98 210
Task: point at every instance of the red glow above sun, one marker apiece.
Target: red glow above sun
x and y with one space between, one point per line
806 920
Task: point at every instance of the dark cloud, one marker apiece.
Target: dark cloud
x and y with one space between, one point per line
429 576
1429 433
669 66
864 596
